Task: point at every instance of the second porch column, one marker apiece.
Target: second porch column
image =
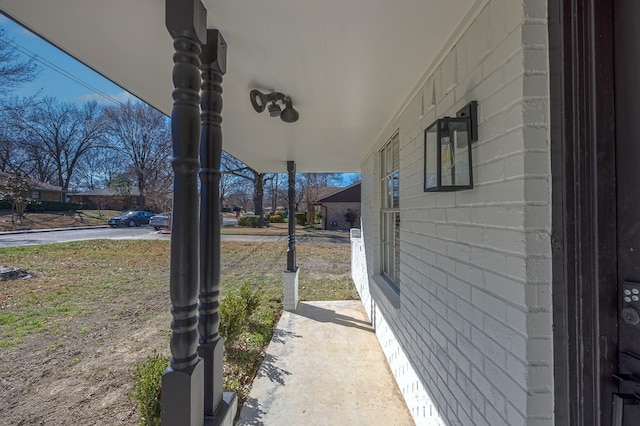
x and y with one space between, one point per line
291 252
290 300
211 347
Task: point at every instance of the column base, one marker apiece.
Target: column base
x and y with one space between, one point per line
182 398
226 411
212 355
290 300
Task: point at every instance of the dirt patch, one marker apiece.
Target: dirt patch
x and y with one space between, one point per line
83 372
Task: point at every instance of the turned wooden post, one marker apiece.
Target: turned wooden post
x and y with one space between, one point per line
291 252
183 381
211 347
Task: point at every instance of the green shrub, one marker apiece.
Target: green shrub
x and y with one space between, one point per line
147 382
276 218
232 317
235 310
44 206
251 298
301 218
248 220
53 206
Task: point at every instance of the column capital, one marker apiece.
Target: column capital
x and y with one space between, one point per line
187 18
214 52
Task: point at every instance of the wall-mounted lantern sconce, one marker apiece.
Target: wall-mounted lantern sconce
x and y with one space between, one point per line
447 151
259 101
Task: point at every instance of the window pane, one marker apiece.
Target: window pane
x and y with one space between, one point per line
396 248
396 153
392 264
396 190
389 161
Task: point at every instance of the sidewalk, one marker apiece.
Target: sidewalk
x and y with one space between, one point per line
324 366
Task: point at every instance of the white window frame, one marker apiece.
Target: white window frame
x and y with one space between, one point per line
390 211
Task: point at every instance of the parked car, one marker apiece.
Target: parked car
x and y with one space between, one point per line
134 218
159 221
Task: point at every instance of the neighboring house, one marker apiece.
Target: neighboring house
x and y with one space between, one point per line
100 199
41 191
510 303
340 205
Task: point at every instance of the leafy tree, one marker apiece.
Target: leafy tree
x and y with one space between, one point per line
16 189
142 134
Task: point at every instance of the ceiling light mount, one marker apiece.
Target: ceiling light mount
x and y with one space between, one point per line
260 100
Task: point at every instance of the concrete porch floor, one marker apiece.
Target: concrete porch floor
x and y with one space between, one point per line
324 366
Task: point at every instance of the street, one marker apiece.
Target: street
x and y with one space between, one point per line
29 238
49 236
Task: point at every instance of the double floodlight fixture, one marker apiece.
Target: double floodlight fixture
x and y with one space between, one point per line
259 101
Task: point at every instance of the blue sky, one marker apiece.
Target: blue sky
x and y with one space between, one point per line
60 75
65 78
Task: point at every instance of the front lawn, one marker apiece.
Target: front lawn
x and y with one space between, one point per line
71 336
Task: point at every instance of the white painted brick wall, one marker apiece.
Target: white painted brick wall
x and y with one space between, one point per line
468 338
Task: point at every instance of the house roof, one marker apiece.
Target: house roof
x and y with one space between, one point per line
35 184
316 193
349 65
107 192
348 194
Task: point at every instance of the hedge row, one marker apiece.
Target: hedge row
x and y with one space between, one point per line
45 206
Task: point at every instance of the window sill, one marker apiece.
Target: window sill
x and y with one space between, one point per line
385 295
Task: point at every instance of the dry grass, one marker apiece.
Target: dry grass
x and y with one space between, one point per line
281 229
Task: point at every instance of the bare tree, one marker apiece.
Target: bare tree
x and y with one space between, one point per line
99 169
57 135
310 186
277 191
13 152
14 70
235 167
142 134
240 193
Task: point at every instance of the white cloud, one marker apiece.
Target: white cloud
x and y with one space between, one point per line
121 97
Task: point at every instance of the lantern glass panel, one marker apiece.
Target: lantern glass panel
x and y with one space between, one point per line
431 157
455 155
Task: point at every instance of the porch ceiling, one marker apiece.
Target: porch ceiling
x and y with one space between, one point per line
347 64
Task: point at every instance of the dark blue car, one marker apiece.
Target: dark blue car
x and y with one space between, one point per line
135 218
